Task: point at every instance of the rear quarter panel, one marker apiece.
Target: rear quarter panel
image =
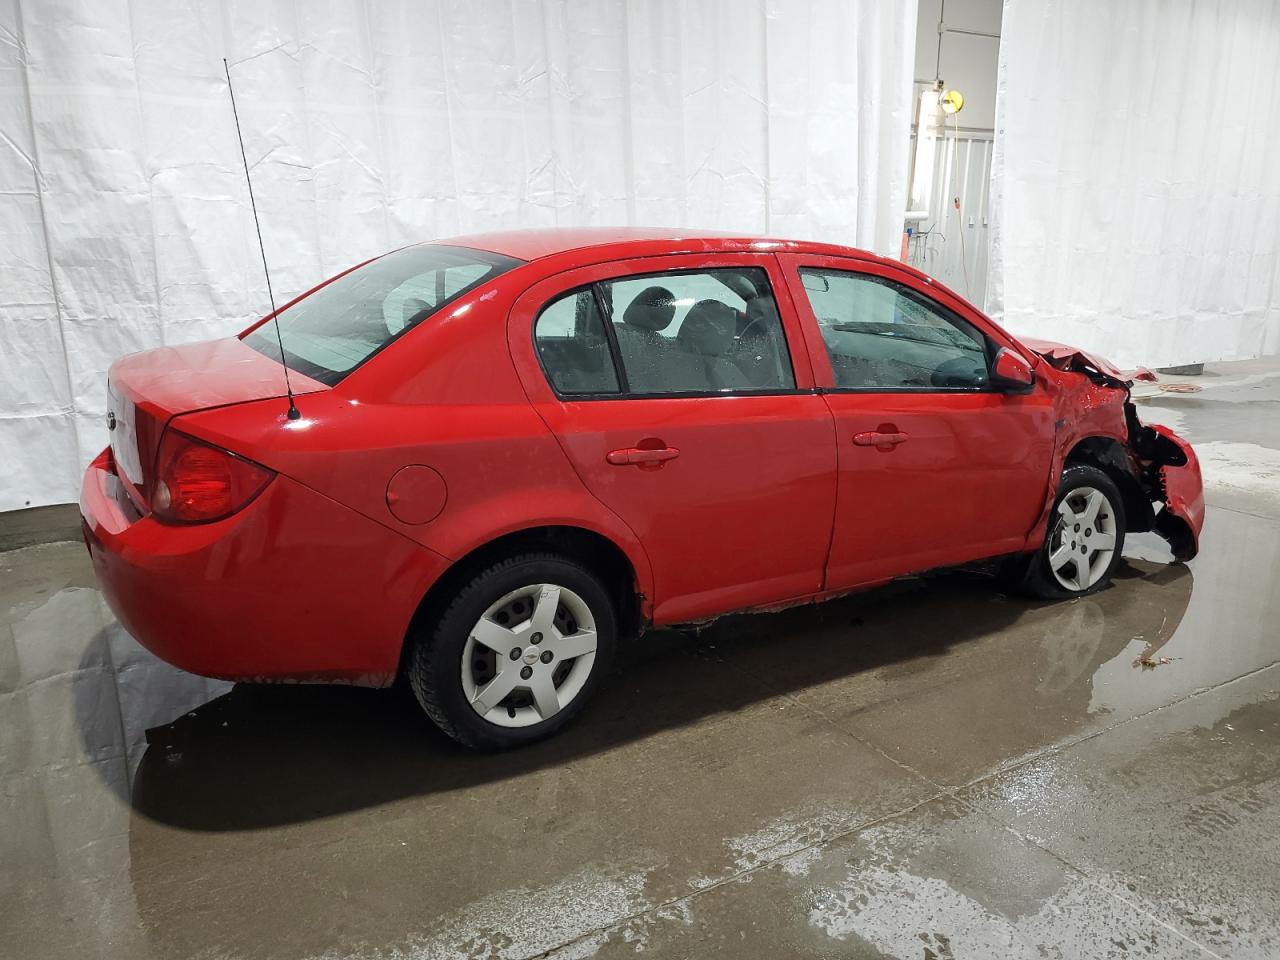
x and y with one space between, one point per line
260 595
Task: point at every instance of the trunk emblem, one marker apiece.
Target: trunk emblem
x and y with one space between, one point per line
111 420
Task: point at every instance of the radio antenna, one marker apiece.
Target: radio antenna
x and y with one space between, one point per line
275 318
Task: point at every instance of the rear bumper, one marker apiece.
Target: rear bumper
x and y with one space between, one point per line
294 587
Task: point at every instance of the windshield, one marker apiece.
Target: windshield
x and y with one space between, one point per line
343 324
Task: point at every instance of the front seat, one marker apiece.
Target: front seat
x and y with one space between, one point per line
707 335
646 353
758 353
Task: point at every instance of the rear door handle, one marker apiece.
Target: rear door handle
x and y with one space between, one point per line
641 455
881 441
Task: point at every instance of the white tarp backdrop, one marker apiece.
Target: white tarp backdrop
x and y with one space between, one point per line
124 222
1135 200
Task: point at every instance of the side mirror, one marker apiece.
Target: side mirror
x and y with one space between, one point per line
1012 371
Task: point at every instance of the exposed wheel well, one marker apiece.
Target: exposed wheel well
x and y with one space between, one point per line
598 552
1110 456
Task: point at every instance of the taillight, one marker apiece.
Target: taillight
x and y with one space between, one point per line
198 483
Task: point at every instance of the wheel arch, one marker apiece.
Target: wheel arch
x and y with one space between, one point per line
1113 458
620 574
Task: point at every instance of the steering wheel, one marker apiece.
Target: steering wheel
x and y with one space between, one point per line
959 372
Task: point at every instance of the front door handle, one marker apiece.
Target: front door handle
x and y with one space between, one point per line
878 439
641 456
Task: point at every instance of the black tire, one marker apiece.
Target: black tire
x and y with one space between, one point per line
1033 574
435 661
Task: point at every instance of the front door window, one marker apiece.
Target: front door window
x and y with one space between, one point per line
881 336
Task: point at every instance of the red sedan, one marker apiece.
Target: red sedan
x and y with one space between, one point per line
515 450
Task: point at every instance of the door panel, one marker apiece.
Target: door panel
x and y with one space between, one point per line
731 492
738 511
967 481
927 475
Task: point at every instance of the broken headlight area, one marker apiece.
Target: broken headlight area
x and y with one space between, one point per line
1169 474
1166 494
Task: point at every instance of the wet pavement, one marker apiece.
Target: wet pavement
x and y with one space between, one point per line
932 769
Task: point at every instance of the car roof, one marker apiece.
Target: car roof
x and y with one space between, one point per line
609 243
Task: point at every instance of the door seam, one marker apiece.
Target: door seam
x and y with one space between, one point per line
835 498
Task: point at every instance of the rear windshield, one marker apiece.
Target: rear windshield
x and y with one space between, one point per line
343 324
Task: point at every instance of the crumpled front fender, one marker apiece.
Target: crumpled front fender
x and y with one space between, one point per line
1177 474
1094 408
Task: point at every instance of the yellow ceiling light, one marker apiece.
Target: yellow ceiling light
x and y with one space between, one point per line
952 101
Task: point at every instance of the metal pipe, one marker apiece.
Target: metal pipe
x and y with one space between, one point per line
943 28
988 131
970 33
937 66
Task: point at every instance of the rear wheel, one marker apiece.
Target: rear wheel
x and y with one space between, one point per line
1083 541
517 653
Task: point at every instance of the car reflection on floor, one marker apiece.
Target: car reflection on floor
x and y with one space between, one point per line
282 821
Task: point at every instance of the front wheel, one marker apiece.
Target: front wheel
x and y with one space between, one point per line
517 653
1084 538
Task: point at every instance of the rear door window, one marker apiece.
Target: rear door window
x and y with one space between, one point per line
683 332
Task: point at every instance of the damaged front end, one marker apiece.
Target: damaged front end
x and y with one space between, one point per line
1156 469
1169 474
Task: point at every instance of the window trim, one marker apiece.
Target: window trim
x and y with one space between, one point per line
989 345
611 336
624 392
691 394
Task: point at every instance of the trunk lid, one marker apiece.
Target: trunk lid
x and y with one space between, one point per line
146 390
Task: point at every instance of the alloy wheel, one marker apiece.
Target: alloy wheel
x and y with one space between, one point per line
529 655
1083 539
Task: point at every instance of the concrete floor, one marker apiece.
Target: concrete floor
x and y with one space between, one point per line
928 770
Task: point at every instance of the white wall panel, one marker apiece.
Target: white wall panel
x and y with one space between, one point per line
1136 208
124 222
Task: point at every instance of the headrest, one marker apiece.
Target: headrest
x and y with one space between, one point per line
708 328
763 312
653 309
413 308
